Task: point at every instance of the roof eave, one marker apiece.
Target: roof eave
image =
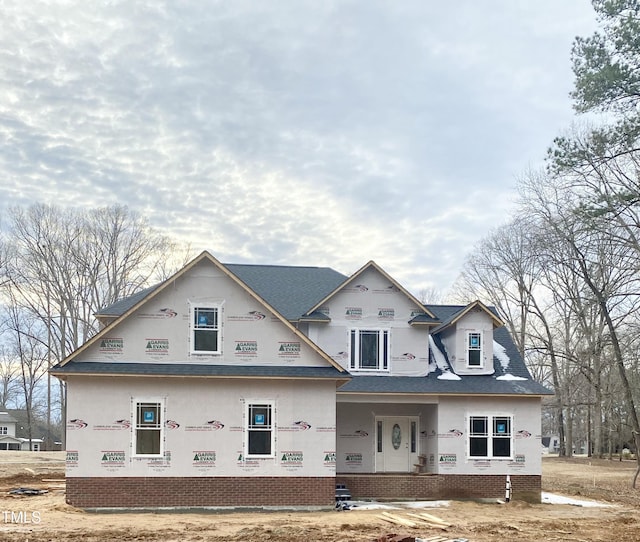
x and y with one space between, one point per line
452 394
64 375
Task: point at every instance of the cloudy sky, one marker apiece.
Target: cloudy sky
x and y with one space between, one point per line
289 131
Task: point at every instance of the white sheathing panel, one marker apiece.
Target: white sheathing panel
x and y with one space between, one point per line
204 427
372 302
355 438
160 330
453 433
11 428
429 437
474 321
333 339
356 432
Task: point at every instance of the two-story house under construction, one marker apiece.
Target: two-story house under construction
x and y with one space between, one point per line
254 385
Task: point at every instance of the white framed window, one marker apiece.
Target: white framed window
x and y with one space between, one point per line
4 430
205 329
474 349
369 349
259 430
148 428
490 437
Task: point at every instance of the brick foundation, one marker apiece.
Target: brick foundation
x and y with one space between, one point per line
440 486
153 492
200 492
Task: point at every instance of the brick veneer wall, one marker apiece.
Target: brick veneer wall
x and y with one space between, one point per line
440 486
199 492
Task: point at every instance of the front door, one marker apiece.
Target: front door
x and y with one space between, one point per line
394 444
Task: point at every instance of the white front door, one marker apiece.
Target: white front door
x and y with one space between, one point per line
394 444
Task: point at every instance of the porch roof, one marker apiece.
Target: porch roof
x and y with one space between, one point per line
432 385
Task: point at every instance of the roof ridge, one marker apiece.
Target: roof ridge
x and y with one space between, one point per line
282 265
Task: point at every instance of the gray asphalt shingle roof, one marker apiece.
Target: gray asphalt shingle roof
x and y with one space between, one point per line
5 417
123 305
291 290
200 369
476 385
447 313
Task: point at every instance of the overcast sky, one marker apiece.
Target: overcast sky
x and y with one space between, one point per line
289 132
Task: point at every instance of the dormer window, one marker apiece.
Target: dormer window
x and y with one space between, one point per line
369 349
474 349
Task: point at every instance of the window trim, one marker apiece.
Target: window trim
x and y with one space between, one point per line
271 428
479 349
490 435
135 403
384 348
193 307
4 430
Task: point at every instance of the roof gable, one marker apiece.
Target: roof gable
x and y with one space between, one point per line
150 293
352 282
455 315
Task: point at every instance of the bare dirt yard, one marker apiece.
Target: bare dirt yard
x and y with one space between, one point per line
48 518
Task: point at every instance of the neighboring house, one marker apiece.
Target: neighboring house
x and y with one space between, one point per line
551 443
8 438
252 385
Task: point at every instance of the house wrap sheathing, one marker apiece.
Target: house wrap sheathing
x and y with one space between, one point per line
251 385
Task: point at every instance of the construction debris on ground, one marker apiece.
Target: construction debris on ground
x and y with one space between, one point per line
416 520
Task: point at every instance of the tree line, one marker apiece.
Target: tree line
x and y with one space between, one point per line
58 266
565 270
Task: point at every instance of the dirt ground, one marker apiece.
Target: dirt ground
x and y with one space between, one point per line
47 517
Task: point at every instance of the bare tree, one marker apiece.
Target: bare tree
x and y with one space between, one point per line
9 378
27 351
564 274
431 296
507 270
502 271
63 265
594 252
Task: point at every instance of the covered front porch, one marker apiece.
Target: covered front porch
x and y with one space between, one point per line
386 435
10 443
416 446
